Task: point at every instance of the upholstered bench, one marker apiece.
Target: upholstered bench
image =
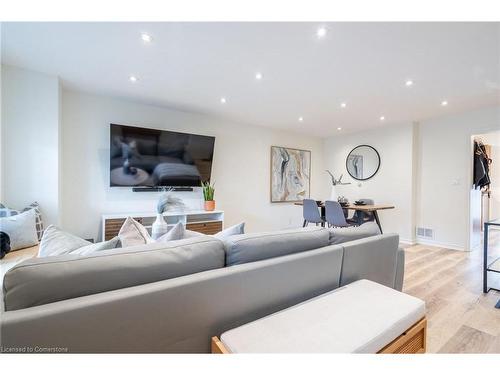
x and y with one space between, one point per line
362 317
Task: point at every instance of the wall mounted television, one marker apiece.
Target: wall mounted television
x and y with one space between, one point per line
142 157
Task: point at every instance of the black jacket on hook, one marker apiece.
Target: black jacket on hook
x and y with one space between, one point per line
481 166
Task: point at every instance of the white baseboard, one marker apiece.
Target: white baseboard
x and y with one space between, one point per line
422 241
477 247
407 241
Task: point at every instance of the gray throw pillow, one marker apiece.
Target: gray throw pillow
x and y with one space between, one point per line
231 231
57 242
192 234
341 235
21 229
175 233
133 233
100 246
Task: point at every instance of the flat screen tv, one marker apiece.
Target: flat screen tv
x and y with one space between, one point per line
141 157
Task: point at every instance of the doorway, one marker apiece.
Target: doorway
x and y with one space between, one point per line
485 193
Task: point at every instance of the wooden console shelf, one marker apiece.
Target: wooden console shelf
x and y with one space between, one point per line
112 227
207 222
209 227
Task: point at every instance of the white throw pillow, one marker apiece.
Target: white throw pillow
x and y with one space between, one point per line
231 231
6 211
21 229
176 233
96 247
58 242
133 233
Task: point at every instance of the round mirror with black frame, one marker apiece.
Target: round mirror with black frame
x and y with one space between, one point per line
363 162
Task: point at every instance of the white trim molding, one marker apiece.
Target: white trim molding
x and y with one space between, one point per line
407 241
421 241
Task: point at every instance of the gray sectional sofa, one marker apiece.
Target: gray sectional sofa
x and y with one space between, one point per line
172 298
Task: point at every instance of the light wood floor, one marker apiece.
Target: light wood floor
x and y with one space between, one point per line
461 319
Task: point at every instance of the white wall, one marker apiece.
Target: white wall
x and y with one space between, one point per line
30 139
57 153
426 172
445 153
393 182
240 169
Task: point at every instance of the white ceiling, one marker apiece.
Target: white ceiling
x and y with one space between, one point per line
190 66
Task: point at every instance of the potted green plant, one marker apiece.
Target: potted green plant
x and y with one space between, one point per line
208 195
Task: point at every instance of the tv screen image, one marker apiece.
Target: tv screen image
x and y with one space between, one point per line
142 157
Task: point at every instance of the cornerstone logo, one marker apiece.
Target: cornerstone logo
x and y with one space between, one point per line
33 349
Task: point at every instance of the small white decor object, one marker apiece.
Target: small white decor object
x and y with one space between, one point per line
333 193
160 227
335 182
165 203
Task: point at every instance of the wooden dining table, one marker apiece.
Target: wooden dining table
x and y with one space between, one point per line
373 208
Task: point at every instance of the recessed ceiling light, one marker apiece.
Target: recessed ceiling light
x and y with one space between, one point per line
133 79
301 119
339 128
444 103
258 76
382 118
321 32
223 100
146 38
343 105
409 83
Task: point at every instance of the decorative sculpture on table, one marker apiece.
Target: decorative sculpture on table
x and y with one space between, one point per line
335 182
166 202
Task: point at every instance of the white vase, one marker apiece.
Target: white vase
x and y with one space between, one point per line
159 227
333 194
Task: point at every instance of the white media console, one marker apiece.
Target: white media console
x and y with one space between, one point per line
208 222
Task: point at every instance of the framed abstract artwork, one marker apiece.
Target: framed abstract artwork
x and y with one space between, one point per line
290 174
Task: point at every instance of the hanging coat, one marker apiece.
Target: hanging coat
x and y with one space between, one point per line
481 166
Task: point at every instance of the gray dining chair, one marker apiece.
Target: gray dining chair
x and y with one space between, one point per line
311 212
360 217
334 215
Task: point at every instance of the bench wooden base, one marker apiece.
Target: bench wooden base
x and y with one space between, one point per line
412 341
218 347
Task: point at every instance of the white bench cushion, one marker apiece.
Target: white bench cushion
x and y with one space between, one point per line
362 317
